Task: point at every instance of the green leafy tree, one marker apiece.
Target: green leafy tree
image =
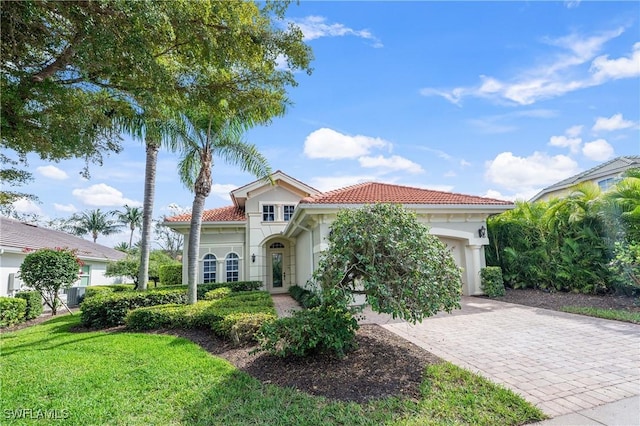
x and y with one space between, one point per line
384 253
132 218
203 136
626 267
95 223
127 267
48 271
379 251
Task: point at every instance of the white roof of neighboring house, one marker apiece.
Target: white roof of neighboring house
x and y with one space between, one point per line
609 168
19 236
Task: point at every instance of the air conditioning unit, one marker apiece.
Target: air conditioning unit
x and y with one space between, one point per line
14 283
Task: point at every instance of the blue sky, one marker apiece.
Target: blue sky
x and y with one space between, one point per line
496 99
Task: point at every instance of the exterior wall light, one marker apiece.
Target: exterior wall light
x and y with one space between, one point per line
253 258
482 232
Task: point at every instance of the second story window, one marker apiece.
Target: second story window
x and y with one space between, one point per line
288 212
268 213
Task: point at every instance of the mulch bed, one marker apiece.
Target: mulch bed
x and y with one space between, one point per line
556 301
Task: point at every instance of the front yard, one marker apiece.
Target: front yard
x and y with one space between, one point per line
115 377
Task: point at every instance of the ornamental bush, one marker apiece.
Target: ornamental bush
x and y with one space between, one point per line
12 311
170 274
241 327
306 298
492 283
109 309
34 303
218 293
48 271
324 328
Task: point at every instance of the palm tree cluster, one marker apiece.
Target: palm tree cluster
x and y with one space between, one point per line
97 222
587 242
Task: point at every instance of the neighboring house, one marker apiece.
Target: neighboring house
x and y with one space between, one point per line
16 238
604 175
275 233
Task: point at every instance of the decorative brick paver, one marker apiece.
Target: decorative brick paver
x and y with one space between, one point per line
561 362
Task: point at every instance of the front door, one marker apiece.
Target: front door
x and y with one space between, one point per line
276 272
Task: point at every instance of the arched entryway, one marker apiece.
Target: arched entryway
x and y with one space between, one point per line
278 266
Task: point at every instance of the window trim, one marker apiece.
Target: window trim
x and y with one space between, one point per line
209 259
232 257
266 213
285 213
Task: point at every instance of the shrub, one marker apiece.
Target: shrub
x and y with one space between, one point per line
236 286
492 283
92 291
12 311
49 270
218 293
170 274
198 315
320 329
34 303
110 309
306 298
241 327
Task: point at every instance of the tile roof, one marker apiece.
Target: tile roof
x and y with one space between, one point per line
222 214
20 235
624 162
372 192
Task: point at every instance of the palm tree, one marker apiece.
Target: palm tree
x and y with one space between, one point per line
131 217
123 247
94 222
202 135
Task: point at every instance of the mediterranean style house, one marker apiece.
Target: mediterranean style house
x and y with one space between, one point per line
17 238
605 175
275 233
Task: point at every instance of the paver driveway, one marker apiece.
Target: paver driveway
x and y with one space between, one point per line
560 362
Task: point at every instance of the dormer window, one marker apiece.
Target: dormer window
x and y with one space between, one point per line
268 213
288 212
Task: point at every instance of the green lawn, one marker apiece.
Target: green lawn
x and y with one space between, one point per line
95 378
612 314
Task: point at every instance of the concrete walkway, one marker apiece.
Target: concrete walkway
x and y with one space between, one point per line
563 363
578 370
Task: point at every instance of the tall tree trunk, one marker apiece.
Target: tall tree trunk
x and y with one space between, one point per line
131 236
147 212
194 247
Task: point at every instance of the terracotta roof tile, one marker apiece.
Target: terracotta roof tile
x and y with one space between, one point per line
372 192
222 214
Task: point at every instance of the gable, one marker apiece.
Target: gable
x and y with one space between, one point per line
278 179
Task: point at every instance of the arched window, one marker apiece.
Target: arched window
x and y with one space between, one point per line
233 267
209 269
276 245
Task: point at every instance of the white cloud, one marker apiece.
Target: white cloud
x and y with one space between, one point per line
598 150
573 131
222 190
328 183
464 163
524 174
604 68
389 164
314 27
24 205
327 143
66 208
564 142
524 196
615 122
52 172
565 72
570 4
103 195
450 173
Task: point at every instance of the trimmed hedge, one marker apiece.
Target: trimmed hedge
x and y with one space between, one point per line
306 298
113 288
34 303
12 311
170 274
236 317
199 315
235 286
492 283
110 309
218 293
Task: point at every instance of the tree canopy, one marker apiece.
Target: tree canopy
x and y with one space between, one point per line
383 252
75 73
